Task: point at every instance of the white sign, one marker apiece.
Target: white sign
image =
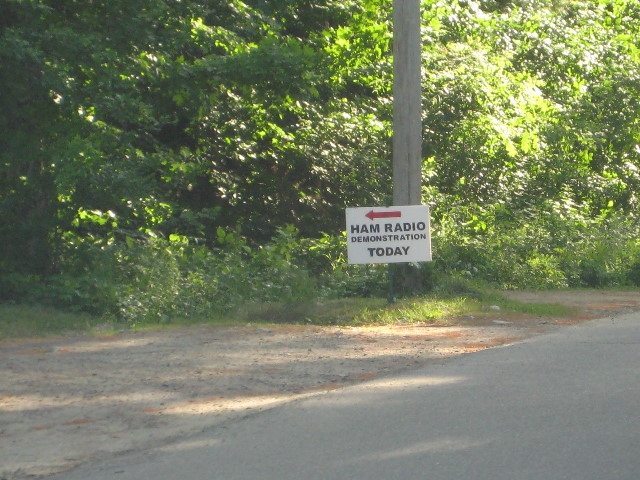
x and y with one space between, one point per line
388 234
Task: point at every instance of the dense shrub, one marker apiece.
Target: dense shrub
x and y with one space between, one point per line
549 250
151 279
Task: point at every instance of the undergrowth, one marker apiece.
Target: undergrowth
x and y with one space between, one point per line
18 321
298 280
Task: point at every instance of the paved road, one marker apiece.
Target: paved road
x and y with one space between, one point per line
559 406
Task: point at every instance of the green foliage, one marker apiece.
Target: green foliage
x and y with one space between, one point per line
175 158
152 280
556 248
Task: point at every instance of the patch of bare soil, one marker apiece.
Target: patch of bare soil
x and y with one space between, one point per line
68 401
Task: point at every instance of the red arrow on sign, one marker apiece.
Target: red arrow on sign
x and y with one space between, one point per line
373 215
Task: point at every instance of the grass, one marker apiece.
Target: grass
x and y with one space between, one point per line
537 309
377 311
36 321
18 321
432 309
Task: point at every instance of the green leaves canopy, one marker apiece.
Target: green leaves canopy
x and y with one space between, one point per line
130 119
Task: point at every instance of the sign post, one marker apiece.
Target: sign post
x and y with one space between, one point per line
407 128
399 235
407 103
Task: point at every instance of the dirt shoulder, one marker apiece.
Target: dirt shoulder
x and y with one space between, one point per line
69 401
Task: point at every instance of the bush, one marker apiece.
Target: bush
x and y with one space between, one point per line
147 279
541 251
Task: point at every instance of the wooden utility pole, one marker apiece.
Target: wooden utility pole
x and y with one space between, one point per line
407 129
407 99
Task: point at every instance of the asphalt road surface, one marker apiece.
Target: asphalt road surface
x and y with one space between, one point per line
564 405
